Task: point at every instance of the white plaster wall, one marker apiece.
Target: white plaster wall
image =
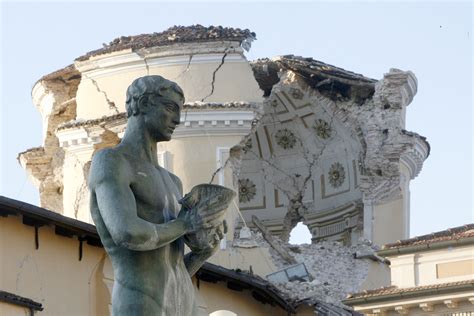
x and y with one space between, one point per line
389 222
420 268
109 77
402 270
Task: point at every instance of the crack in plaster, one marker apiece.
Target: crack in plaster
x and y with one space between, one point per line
186 69
109 102
214 75
21 266
146 66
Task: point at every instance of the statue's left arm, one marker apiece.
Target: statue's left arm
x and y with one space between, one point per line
195 259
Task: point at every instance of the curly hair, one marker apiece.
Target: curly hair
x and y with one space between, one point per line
149 85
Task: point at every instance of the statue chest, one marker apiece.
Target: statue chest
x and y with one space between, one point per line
156 195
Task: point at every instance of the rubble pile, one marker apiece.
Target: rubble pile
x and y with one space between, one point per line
334 269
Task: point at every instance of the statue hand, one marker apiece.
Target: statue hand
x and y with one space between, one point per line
196 219
214 240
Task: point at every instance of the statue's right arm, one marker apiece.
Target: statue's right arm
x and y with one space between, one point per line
110 179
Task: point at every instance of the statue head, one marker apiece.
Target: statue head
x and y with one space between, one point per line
155 104
151 86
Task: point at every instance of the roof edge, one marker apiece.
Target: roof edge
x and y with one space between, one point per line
442 289
426 247
20 301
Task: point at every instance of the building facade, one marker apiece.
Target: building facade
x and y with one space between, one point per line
298 139
430 275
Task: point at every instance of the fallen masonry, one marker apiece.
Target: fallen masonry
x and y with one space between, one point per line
336 270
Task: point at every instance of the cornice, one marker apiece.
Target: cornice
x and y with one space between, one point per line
81 135
169 56
414 158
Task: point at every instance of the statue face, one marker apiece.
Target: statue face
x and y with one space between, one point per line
163 115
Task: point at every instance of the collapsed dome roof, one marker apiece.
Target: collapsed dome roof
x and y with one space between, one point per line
176 34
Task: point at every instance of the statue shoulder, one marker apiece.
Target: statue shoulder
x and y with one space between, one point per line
109 165
108 157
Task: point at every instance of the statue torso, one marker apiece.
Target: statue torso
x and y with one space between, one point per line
159 273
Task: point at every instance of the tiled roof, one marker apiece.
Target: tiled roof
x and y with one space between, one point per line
34 215
393 290
455 233
175 34
238 280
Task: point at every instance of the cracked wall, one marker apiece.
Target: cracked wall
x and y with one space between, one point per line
211 69
206 72
331 152
322 146
54 95
300 161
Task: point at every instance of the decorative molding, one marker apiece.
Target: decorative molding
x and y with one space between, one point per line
247 190
335 221
324 194
401 310
336 175
194 123
322 129
379 312
450 304
215 123
426 307
414 157
285 138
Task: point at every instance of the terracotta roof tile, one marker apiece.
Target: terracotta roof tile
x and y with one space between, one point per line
175 34
396 290
455 233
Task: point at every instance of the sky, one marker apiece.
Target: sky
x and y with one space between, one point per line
432 39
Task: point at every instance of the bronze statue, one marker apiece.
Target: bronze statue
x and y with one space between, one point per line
135 205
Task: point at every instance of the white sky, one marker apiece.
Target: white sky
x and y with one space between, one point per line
434 40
